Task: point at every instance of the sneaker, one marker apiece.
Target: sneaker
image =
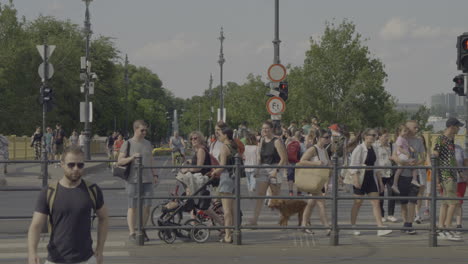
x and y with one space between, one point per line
308 231
355 232
145 236
458 233
410 232
415 182
395 189
299 193
132 237
384 219
451 236
392 219
418 219
291 193
383 232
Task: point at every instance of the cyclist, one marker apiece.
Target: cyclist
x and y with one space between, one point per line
176 143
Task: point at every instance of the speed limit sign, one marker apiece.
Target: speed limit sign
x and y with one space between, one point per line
275 105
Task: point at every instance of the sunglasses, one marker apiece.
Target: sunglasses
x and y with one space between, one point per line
71 165
194 138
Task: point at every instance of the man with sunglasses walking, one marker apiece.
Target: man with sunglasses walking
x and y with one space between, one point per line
68 205
139 147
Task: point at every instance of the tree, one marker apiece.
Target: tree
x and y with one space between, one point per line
340 81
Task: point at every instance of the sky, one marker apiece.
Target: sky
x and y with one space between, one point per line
178 39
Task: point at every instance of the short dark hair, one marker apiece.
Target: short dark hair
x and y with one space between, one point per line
72 149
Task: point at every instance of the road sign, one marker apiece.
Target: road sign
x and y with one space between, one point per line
275 106
40 70
82 112
277 72
50 50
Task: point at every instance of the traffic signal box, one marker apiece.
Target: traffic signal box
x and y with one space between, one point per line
283 90
462 52
459 88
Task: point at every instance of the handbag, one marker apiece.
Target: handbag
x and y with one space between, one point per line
311 180
123 171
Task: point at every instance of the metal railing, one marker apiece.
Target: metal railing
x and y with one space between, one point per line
334 197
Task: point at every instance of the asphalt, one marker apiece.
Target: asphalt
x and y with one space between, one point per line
258 246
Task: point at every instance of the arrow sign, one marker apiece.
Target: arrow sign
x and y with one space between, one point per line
40 70
50 50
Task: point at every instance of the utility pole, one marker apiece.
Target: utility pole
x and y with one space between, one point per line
210 129
221 62
126 135
199 114
465 83
87 127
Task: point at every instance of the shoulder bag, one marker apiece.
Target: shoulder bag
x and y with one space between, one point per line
123 171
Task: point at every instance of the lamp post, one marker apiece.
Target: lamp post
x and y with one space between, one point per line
221 62
211 106
126 135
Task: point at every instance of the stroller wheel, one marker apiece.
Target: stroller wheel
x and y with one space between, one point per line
186 232
167 236
200 235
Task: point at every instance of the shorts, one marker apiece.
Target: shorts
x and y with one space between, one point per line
131 190
461 189
264 175
226 183
407 189
58 149
368 185
49 148
291 173
181 150
449 190
91 260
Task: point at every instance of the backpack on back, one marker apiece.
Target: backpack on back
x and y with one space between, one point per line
294 151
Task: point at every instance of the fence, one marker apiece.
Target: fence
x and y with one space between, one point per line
19 147
334 197
237 227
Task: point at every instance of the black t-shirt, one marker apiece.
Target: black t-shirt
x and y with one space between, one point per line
206 162
59 134
70 239
268 153
110 141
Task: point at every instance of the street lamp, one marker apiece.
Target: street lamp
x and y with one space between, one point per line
87 127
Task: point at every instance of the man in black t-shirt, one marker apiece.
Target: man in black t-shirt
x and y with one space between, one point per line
69 212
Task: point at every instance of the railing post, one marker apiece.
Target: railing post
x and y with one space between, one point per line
433 227
139 217
334 235
237 221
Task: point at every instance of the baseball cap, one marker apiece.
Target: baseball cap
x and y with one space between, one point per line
452 121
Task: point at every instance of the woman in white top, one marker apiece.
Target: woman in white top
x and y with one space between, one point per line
317 155
384 149
367 181
250 158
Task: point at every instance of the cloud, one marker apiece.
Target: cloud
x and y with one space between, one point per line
398 29
174 48
395 28
55 6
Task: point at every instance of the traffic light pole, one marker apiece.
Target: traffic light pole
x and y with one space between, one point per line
276 60
44 167
87 126
465 83
221 62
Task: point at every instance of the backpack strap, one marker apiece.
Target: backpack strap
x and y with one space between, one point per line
51 192
92 191
316 152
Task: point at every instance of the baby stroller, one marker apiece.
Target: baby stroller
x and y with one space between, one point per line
172 211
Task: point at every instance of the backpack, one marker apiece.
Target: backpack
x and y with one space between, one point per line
294 151
52 190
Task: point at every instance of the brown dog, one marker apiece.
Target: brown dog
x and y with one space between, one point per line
288 208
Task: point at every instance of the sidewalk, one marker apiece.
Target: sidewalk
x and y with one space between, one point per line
27 175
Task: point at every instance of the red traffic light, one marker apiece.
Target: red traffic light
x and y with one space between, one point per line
283 85
465 44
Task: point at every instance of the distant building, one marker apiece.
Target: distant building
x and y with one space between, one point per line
444 105
410 109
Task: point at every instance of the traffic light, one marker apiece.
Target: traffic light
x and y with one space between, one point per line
462 52
46 94
283 90
459 88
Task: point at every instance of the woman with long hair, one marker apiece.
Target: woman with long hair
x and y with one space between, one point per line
226 181
271 152
367 182
317 155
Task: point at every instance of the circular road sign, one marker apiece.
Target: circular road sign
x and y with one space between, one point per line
275 105
277 72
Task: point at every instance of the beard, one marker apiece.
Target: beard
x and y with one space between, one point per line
73 176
